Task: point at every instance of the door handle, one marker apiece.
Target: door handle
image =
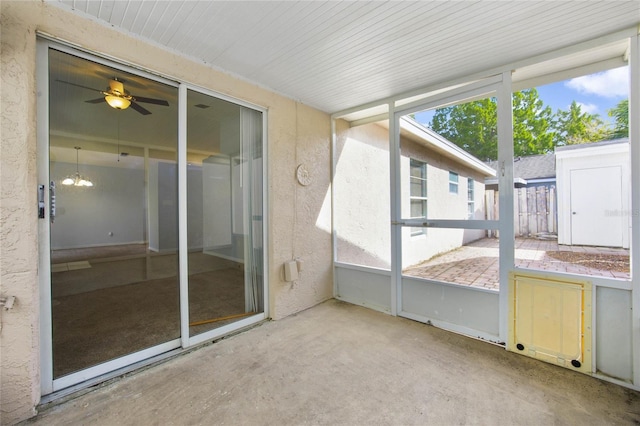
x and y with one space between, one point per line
52 200
573 213
40 201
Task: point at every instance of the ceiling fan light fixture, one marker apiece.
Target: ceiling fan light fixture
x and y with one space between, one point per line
117 102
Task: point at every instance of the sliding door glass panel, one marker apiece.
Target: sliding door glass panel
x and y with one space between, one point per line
443 175
224 202
361 197
114 235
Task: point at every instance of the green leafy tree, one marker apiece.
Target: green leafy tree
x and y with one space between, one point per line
577 127
621 115
474 126
532 124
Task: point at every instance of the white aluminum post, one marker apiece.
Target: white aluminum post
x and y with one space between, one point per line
44 225
505 188
183 255
266 305
334 235
395 210
634 149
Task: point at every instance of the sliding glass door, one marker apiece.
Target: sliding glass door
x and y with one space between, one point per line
151 211
224 181
114 266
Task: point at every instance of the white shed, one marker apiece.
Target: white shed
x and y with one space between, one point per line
594 195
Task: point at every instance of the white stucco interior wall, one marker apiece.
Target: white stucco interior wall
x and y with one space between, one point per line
297 134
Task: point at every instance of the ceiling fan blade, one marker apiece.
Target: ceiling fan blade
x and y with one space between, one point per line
140 109
79 85
151 101
95 101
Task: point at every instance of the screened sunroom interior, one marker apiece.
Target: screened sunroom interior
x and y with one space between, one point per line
265 157
439 242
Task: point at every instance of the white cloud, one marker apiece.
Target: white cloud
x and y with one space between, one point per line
588 108
609 84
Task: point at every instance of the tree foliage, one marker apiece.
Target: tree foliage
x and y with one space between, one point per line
575 126
620 113
536 129
533 131
473 126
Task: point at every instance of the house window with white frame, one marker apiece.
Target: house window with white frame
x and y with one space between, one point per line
418 192
470 198
453 183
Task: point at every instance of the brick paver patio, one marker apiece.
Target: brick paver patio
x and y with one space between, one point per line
476 264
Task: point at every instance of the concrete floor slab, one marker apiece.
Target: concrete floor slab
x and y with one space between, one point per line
341 364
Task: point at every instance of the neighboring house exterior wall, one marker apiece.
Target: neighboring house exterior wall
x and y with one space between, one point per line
594 187
362 209
361 195
297 134
442 204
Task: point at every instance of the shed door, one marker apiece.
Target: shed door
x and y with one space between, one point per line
596 207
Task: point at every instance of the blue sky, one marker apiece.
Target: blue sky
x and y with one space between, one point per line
595 93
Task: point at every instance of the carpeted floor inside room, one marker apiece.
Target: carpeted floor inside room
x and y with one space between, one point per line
114 308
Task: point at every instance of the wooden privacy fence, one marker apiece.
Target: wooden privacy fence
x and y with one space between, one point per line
535 210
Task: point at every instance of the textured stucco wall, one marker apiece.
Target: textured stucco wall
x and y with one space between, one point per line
296 135
362 210
441 204
362 199
18 227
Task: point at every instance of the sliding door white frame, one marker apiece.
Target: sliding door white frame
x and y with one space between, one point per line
48 384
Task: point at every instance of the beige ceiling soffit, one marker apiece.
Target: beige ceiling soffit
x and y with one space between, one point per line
566 74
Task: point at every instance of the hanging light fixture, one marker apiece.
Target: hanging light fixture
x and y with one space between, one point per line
77 179
117 102
116 96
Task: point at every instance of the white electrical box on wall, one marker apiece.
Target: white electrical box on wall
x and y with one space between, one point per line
550 319
291 270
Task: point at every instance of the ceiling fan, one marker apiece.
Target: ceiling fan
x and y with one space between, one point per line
117 97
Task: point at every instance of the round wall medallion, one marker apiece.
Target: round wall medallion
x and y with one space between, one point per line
303 175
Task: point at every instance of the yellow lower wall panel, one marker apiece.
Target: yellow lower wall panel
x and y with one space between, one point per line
550 319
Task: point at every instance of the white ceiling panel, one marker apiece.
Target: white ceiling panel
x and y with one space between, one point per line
338 54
